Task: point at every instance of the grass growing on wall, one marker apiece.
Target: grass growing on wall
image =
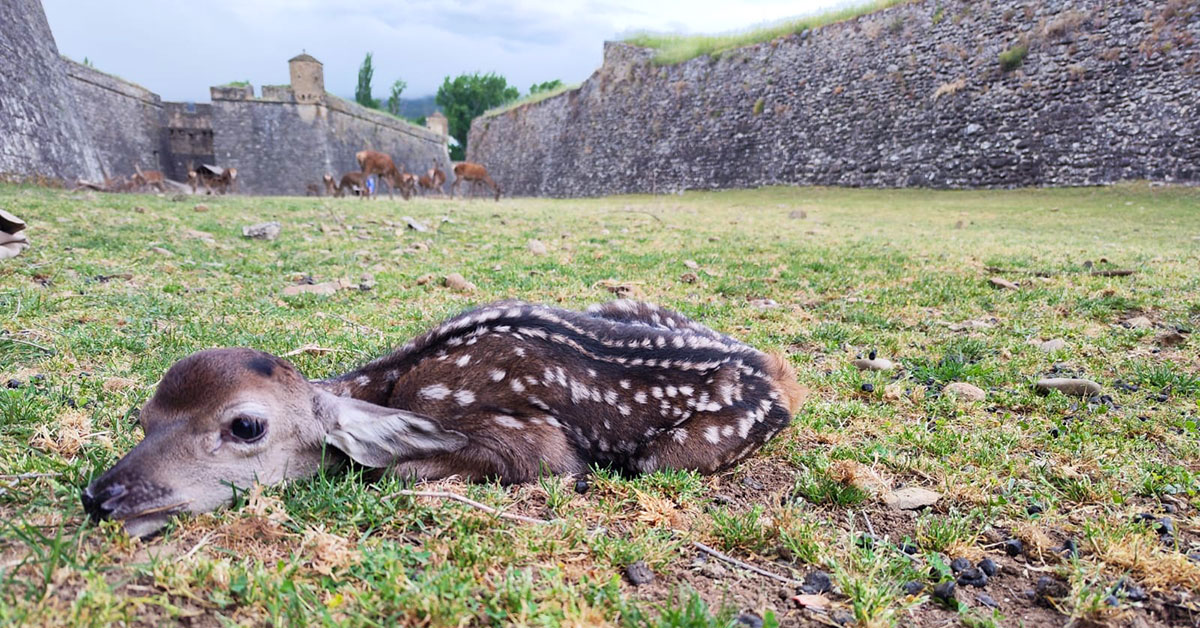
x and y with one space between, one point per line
673 48
532 98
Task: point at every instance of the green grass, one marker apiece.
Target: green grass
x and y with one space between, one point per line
90 317
674 49
531 98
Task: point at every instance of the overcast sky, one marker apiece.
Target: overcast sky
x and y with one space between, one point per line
178 49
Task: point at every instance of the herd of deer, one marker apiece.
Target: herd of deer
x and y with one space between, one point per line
215 180
380 165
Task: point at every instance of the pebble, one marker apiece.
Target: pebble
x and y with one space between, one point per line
1165 527
1112 601
14 383
1194 557
817 582
537 247
945 590
161 251
639 573
582 486
1013 547
973 577
841 617
1069 386
797 214
1070 548
458 283
750 619
414 224
1138 322
965 391
868 388
200 207
1052 345
909 548
262 231
986 600
1034 509
723 500
1048 588
1132 591
989 567
959 564
873 364
752 484
913 587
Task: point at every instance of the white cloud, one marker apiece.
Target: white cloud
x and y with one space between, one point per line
179 48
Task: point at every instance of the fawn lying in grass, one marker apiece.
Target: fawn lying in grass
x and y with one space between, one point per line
505 391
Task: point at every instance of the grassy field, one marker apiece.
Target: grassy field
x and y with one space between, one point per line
116 288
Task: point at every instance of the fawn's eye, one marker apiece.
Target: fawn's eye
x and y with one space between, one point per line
246 429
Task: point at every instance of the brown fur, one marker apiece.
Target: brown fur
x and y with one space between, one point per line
350 180
148 179
783 377
507 391
377 163
475 174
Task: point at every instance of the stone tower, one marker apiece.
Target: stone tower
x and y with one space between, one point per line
438 123
40 133
308 78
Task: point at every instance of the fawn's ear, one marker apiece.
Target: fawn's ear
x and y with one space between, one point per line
376 436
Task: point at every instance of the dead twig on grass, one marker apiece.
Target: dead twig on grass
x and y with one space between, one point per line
28 476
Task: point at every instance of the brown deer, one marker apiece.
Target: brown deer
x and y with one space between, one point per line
148 179
350 181
212 178
426 183
438 175
312 189
377 163
508 391
475 174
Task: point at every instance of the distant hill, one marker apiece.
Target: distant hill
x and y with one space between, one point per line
418 107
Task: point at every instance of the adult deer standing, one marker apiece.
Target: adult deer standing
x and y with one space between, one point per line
376 163
507 391
475 174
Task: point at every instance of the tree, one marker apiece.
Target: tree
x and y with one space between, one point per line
362 93
465 98
394 99
544 86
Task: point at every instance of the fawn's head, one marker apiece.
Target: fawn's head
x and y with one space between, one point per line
223 419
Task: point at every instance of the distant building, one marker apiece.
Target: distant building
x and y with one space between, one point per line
438 123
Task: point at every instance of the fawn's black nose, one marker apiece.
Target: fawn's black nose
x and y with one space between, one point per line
99 505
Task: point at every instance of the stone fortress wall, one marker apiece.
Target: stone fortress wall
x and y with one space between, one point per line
64 120
914 95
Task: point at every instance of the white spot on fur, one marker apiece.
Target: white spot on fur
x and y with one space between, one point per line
625 384
712 434
507 421
686 390
435 391
464 397
516 385
464 360
640 396
496 375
